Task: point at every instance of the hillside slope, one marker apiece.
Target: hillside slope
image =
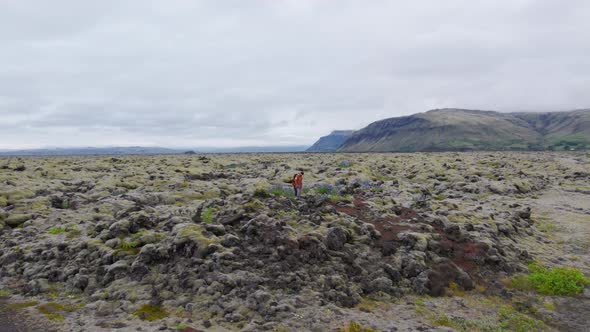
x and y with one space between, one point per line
464 130
331 142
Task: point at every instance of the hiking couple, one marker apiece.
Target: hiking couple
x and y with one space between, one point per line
297 184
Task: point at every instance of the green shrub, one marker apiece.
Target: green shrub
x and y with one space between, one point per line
207 215
557 281
56 230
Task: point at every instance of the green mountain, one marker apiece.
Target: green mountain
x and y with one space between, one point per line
332 142
465 130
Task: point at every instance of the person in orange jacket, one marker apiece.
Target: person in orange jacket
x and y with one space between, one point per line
294 183
298 184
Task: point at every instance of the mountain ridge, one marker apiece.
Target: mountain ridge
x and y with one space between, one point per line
455 129
331 142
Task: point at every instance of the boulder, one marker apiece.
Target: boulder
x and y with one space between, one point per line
434 280
336 237
15 220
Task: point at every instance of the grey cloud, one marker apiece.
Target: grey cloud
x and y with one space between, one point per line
196 73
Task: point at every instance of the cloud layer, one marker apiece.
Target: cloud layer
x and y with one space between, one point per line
275 72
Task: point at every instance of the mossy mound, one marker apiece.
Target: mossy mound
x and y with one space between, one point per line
150 312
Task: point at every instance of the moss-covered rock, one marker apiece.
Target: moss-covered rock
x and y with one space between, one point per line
15 220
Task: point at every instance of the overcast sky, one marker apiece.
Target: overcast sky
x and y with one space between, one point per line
276 72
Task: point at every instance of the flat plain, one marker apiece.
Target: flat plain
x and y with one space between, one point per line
475 241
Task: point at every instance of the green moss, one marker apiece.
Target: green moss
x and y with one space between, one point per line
455 289
253 206
17 219
459 218
128 245
56 230
128 185
150 312
549 305
53 310
4 293
444 320
195 231
356 327
280 328
181 326
513 320
20 305
369 305
523 186
338 198
73 231
520 282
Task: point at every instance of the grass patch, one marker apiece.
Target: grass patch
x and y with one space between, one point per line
513 320
56 230
253 206
282 191
454 290
73 231
150 312
549 305
368 305
324 190
128 245
53 310
345 164
20 305
356 327
338 198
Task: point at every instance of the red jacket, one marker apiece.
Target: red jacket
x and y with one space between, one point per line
298 181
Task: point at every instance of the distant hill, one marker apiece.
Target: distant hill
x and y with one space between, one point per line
89 151
331 142
256 149
466 130
137 150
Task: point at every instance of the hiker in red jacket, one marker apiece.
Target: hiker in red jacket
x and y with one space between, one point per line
294 183
298 184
